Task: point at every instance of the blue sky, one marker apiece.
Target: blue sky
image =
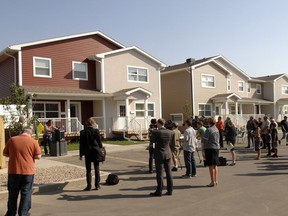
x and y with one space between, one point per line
252 34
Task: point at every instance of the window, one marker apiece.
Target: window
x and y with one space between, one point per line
177 117
248 87
42 67
140 109
46 110
232 109
151 110
207 81
229 85
80 71
137 74
258 89
205 110
240 86
285 90
122 110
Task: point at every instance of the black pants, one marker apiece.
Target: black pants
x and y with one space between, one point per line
47 142
88 162
151 158
221 134
160 164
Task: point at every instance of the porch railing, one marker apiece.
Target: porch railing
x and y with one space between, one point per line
240 121
69 125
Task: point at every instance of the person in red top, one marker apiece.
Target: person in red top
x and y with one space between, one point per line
220 127
22 151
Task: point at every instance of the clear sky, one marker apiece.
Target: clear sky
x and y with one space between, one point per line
252 34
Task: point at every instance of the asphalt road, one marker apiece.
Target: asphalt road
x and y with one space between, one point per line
249 188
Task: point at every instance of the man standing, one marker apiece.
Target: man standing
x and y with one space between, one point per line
175 145
250 128
264 132
284 127
21 150
162 139
220 127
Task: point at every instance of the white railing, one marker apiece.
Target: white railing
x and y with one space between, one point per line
69 125
240 121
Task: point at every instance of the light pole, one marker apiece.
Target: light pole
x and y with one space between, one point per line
190 62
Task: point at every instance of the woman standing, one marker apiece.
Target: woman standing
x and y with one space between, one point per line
257 140
230 135
89 140
47 136
211 147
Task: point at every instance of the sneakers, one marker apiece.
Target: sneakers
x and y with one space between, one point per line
174 169
185 176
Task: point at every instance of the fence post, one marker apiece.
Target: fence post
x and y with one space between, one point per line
2 144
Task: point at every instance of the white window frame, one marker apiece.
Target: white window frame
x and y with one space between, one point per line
205 104
258 89
204 84
228 85
86 70
137 75
249 87
284 89
241 85
34 67
177 118
45 111
145 108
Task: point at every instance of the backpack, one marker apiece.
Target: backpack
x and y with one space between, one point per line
112 179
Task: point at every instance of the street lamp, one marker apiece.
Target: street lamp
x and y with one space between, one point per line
190 62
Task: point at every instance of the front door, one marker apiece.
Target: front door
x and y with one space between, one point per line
121 116
75 110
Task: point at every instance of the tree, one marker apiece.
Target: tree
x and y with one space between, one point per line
187 110
16 105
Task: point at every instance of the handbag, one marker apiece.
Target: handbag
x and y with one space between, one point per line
100 154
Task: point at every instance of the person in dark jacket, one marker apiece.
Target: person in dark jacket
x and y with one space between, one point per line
230 134
89 140
162 139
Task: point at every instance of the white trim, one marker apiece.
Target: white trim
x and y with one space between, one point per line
145 108
159 92
138 89
20 69
137 67
102 76
34 67
19 46
47 102
214 81
86 70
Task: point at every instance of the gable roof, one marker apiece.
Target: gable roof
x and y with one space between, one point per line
200 62
15 48
271 78
102 55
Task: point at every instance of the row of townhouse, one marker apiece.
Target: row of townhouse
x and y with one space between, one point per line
72 78
216 87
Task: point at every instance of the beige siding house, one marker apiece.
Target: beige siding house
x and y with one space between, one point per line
216 87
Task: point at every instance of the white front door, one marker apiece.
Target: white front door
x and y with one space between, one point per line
121 115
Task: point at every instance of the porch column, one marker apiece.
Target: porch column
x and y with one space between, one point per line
259 109
254 109
68 116
226 108
104 114
127 112
146 113
30 110
236 112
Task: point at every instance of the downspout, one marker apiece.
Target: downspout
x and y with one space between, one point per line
14 58
193 92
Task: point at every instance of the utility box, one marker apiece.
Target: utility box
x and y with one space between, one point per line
58 148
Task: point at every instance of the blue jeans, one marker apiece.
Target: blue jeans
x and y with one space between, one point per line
190 163
23 184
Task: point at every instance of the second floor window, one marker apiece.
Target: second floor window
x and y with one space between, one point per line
248 87
42 67
208 81
137 74
240 86
258 89
285 90
80 71
229 85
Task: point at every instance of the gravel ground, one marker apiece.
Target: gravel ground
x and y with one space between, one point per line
50 175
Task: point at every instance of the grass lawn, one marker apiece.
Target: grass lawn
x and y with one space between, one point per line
75 145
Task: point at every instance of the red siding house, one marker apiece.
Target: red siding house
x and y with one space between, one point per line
86 75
